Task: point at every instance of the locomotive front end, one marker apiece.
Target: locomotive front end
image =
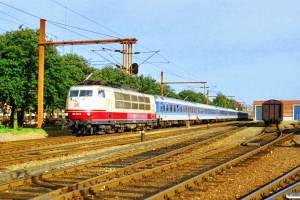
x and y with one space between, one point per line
83 105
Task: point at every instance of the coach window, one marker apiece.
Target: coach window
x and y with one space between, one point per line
101 93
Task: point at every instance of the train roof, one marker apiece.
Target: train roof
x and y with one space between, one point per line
157 97
179 101
115 88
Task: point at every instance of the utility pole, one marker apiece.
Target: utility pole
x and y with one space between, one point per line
126 59
207 94
162 83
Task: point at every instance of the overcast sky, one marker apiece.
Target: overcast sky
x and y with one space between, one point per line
249 49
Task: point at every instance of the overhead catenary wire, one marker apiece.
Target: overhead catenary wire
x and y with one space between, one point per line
85 17
21 10
122 36
100 55
15 19
61 26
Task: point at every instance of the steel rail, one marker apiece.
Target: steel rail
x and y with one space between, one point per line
36 154
15 146
275 186
287 193
263 134
209 174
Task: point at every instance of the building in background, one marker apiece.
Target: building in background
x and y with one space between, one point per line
291 110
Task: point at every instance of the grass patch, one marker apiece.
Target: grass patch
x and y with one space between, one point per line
20 130
29 129
52 128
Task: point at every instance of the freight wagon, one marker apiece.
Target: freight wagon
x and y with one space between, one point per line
272 111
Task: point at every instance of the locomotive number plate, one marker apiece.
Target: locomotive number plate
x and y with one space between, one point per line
76 104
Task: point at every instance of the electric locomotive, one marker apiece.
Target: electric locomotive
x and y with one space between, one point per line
96 109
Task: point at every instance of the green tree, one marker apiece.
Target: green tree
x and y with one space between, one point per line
112 76
230 103
219 100
18 65
190 95
77 69
147 85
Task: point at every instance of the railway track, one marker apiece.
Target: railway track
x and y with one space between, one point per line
209 185
279 188
93 169
11 186
27 151
163 173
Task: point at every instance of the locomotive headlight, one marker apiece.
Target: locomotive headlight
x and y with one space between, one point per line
66 114
88 114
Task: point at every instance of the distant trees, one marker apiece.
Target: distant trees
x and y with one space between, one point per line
190 95
220 101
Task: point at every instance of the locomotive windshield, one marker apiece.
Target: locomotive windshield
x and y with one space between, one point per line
85 93
74 93
81 93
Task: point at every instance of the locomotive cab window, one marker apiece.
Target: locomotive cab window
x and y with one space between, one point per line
74 93
101 93
86 93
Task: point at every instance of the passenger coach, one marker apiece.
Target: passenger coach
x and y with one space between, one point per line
171 111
